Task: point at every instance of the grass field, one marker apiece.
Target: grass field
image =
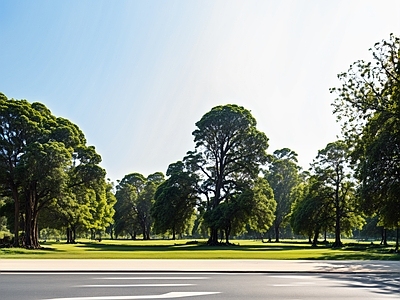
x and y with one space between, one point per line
167 249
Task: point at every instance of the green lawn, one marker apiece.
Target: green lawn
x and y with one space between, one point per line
167 249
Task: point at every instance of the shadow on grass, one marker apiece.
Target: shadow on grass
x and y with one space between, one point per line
282 250
188 247
348 252
24 251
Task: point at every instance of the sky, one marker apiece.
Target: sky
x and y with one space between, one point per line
136 76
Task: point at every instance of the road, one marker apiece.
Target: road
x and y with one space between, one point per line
27 285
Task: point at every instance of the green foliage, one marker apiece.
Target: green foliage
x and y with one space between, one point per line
4 231
42 157
331 168
368 106
313 211
283 176
6 214
135 199
229 152
175 201
260 207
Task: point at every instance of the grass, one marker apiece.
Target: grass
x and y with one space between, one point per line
167 249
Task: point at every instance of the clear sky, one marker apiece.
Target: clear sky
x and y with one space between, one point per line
136 76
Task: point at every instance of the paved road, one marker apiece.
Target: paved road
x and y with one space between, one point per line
197 286
197 279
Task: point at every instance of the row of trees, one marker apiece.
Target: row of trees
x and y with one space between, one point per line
350 179
256 192
227 185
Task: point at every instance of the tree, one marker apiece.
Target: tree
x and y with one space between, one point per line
19 127
368 106
331 166
45 178
135 198
228 153
146 201
258 207
39 153
379 171
312 210
175 200
125 221
283 177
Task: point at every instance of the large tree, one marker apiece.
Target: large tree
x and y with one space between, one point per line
19 127
368 107
283 176
331 166
40 155
228 154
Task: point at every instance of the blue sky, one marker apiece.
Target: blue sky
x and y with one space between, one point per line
136 76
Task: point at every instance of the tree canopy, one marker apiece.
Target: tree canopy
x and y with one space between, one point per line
368 107
228 153
175 200
331 167
41 157
135 199
283 176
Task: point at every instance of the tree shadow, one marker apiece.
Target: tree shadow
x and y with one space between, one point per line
359 266
200 246
348 252
380 282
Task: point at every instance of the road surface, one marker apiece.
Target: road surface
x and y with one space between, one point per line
111 285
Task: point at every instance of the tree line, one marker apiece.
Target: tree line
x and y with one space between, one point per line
227 185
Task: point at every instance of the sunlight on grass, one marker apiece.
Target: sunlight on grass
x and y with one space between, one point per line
185 249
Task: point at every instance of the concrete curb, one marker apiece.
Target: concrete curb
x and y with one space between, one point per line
201 265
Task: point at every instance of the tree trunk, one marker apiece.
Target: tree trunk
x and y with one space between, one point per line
338 242
36 234
213 239
397 240
384 237
16 215
227 234
276 227
315 240
73 234
31 238
269 235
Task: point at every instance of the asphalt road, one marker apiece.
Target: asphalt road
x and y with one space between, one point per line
197 285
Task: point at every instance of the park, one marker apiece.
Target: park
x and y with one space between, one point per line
221 150
229 186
